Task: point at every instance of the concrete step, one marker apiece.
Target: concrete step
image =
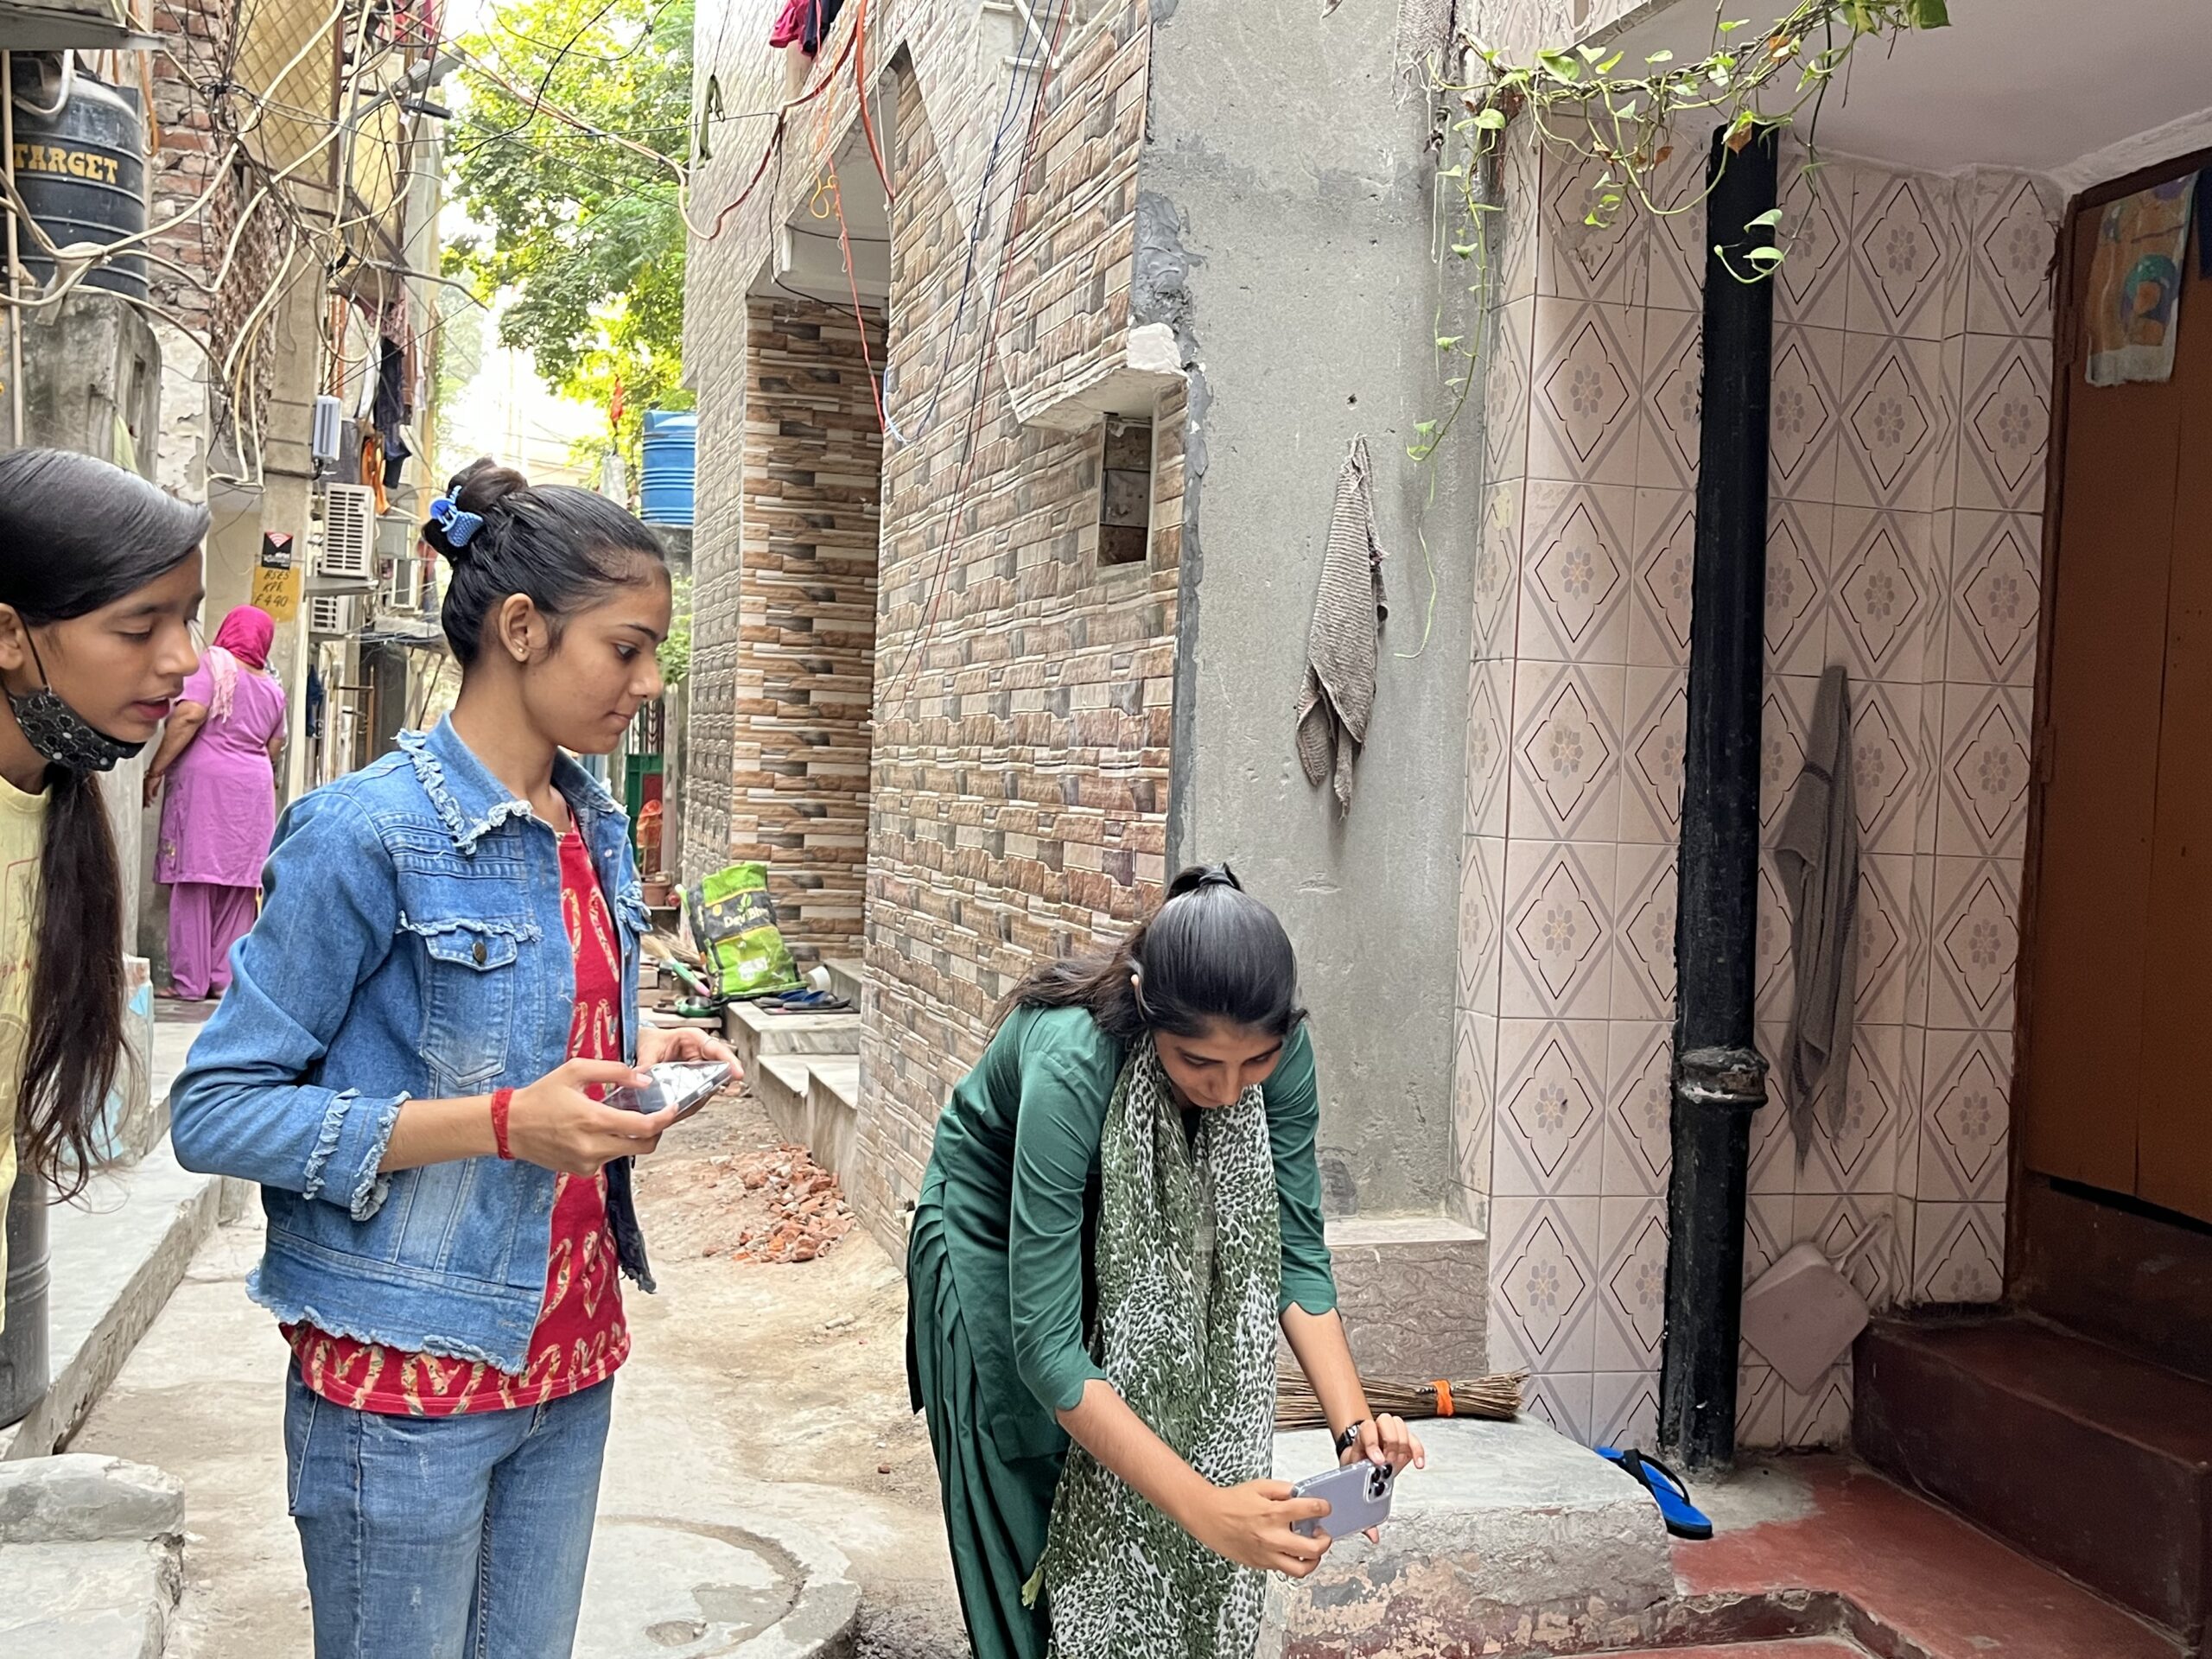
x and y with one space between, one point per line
1514 1540
848 977
90 1553
781 1082
833 1102
118 1252
2090 1458
752 1031
1414 1292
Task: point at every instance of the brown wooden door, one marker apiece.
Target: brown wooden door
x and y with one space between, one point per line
2117 1071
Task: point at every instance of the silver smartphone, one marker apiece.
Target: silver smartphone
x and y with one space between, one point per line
1358 1497
684 1085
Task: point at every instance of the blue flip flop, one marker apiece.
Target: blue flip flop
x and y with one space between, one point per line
1683 1518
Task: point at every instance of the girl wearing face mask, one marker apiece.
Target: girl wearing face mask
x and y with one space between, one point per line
443 979
99 591
1122 1207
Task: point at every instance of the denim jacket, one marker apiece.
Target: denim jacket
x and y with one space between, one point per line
410 945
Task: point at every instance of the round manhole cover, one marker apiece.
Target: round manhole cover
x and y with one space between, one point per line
669 1590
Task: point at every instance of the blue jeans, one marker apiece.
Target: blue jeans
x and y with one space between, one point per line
445 1537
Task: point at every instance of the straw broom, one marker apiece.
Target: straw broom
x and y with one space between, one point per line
1496 1397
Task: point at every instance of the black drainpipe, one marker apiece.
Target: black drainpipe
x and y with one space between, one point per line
1718 1078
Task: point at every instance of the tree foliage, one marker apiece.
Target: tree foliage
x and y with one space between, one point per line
584 235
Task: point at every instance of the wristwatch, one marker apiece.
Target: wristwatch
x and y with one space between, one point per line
1349 1438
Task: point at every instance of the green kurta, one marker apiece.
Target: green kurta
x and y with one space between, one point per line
998 1286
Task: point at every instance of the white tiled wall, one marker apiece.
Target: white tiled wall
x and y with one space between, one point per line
1909 420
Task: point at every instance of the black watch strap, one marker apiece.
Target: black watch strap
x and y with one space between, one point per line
1349 1438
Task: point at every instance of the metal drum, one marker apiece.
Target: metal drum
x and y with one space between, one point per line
81 167
24 1362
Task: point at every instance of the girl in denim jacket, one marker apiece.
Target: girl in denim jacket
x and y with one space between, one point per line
443 978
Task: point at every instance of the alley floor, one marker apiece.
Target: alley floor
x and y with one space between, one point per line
778 1388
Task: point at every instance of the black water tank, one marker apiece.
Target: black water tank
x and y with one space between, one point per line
81 170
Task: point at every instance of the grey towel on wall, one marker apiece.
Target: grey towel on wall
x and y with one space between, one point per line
1341 644
1816 854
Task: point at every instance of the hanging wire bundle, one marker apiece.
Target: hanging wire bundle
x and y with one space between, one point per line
1496 1397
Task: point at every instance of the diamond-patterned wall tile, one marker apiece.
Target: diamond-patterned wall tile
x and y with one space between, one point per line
1772 962
1805 412
1821 1420
1858 1153
2005 433
1474 1086
1566 759
1678 232
1673 396
1799 553
1885 762
1959 1252
1481 932
1625 1410
1586 392
1544 1293
1653 734
1551 1108
1813 280
1561 1401
1557 948
1505 392
1759 1397
1643 965
1899 257
1576 260
1894 423
1986 770
1639 1114
1632 1282
1785 715
1497 568
1488 745
1995 595
1835 1223
1885 580
1885 937
1513 249
1977 945
2015 249
1659 593
1579 565
1964 1131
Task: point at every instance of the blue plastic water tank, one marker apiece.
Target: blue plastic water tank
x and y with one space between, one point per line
671 466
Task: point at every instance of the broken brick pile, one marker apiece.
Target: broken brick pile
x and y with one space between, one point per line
807 1211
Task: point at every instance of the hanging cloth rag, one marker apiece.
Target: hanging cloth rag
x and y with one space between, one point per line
1816 853
2134 301
805 22
1341 651
1189 1268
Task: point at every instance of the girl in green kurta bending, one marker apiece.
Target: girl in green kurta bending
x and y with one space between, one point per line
1121 1205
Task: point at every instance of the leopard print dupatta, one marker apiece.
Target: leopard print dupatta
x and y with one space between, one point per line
1189 1259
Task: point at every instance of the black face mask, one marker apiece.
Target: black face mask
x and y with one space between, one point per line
62 735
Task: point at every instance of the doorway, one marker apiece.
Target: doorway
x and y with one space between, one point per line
2115 1106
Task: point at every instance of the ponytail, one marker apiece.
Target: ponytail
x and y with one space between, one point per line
1211 952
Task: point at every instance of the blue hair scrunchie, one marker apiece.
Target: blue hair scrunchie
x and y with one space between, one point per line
460 527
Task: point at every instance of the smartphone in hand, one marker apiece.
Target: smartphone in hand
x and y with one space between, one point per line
684 1085
1358 1497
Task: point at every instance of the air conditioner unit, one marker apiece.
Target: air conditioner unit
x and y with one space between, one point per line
330 616
349 535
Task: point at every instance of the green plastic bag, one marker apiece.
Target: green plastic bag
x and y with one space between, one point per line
734 923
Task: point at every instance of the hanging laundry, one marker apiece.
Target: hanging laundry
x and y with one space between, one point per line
1341 651
2134 299
1816 855
805 22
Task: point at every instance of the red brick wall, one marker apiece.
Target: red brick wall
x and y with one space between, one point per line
806 595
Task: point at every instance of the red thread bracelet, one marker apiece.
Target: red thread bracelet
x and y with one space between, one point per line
501 1099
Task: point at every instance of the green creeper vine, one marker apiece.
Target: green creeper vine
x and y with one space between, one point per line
1579 102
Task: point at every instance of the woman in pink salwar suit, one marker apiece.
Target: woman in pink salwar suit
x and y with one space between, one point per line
217 760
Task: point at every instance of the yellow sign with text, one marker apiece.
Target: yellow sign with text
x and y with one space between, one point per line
277 579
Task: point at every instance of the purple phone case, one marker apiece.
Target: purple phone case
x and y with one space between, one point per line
1358 1497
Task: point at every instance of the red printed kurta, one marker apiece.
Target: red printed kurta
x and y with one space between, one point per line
581 1336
